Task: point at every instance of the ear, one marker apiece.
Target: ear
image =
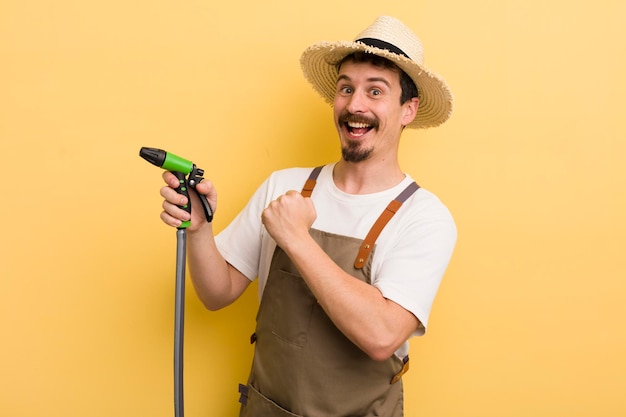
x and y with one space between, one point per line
410 110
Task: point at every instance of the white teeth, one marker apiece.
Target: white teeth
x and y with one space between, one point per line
356 125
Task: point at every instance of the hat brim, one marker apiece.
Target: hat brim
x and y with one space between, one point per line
319 65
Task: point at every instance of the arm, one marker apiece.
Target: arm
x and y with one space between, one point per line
216 282
375 324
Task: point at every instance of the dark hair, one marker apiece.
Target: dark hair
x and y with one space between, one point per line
409 89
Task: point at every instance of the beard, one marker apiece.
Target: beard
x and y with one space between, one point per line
353 152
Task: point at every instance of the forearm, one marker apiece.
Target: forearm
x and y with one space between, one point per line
375 324
216 282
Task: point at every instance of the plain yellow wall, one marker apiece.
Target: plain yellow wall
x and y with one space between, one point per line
529 319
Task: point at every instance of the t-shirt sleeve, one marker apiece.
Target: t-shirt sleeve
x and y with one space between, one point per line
413 268
240 242
244 243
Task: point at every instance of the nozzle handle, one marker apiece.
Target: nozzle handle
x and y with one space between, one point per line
183 190
208 211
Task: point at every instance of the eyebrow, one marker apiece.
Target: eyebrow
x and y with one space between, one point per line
371 80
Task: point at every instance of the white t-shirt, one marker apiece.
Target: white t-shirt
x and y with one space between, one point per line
411 255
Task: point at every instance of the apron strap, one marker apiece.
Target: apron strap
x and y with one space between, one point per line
404 370
307 190
383 219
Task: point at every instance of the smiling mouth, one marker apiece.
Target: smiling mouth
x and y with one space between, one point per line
358 129
357 126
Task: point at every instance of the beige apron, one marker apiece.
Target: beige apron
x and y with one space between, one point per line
303 365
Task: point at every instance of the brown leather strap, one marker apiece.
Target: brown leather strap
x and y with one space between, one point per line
381 222
307 190
404 370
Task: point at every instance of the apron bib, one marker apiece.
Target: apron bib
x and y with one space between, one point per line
303 365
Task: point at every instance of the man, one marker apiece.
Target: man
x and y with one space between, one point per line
349 256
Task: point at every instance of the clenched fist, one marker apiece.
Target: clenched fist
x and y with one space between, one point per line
289 218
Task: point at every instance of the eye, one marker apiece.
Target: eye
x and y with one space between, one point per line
375 92
345 89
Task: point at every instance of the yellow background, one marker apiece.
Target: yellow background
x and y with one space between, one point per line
529 319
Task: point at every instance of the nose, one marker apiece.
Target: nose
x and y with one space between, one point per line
356 103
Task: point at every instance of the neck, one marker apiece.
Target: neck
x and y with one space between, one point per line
367 177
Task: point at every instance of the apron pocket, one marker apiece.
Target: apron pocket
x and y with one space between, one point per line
292 306
260 406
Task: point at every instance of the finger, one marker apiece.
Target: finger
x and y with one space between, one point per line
170 195
293 193
175 211
204 187
266 214
170 179
170 220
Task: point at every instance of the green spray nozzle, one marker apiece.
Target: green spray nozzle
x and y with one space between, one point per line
166 160
180 167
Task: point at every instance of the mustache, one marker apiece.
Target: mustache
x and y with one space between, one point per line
348 117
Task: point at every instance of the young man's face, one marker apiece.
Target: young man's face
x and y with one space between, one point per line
367 110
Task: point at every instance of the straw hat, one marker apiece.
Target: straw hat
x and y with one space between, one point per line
390 39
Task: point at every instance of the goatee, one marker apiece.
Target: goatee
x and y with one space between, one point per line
353 152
